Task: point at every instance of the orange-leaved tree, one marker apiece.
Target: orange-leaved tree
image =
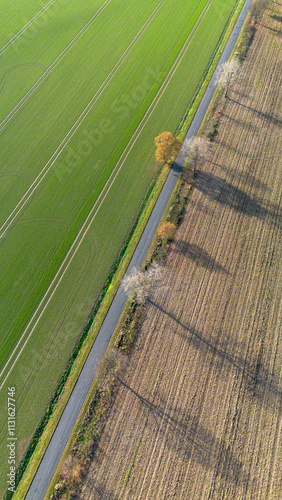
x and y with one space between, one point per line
167 147
166 231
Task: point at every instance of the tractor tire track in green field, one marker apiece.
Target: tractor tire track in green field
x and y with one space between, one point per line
15 212
97 205
25 27
53 65
5 77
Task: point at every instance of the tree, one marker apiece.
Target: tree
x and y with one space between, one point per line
166 231
228 74
112 366
140 284
71 469
197 148
167 147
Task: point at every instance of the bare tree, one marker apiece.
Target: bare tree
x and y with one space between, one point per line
112 365
71 469
140 284
228 74
197 148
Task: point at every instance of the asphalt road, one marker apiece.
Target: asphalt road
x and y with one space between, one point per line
64 428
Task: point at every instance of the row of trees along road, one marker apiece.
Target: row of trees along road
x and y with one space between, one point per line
196 148
139 284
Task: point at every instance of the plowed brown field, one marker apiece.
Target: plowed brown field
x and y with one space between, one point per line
197 414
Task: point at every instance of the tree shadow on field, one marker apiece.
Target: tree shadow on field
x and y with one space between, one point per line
265 116
276 31
235 198
244 176
257 377
276 18
240 123
200 256
186 436
226 193
198 340
233 149
241 94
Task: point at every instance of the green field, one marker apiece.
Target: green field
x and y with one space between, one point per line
85 87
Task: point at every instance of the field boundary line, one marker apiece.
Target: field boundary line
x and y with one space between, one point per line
18 208
25 27
91 217
50 68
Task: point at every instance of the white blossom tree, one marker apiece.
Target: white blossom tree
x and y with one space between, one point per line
140 284
228 74
197 148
